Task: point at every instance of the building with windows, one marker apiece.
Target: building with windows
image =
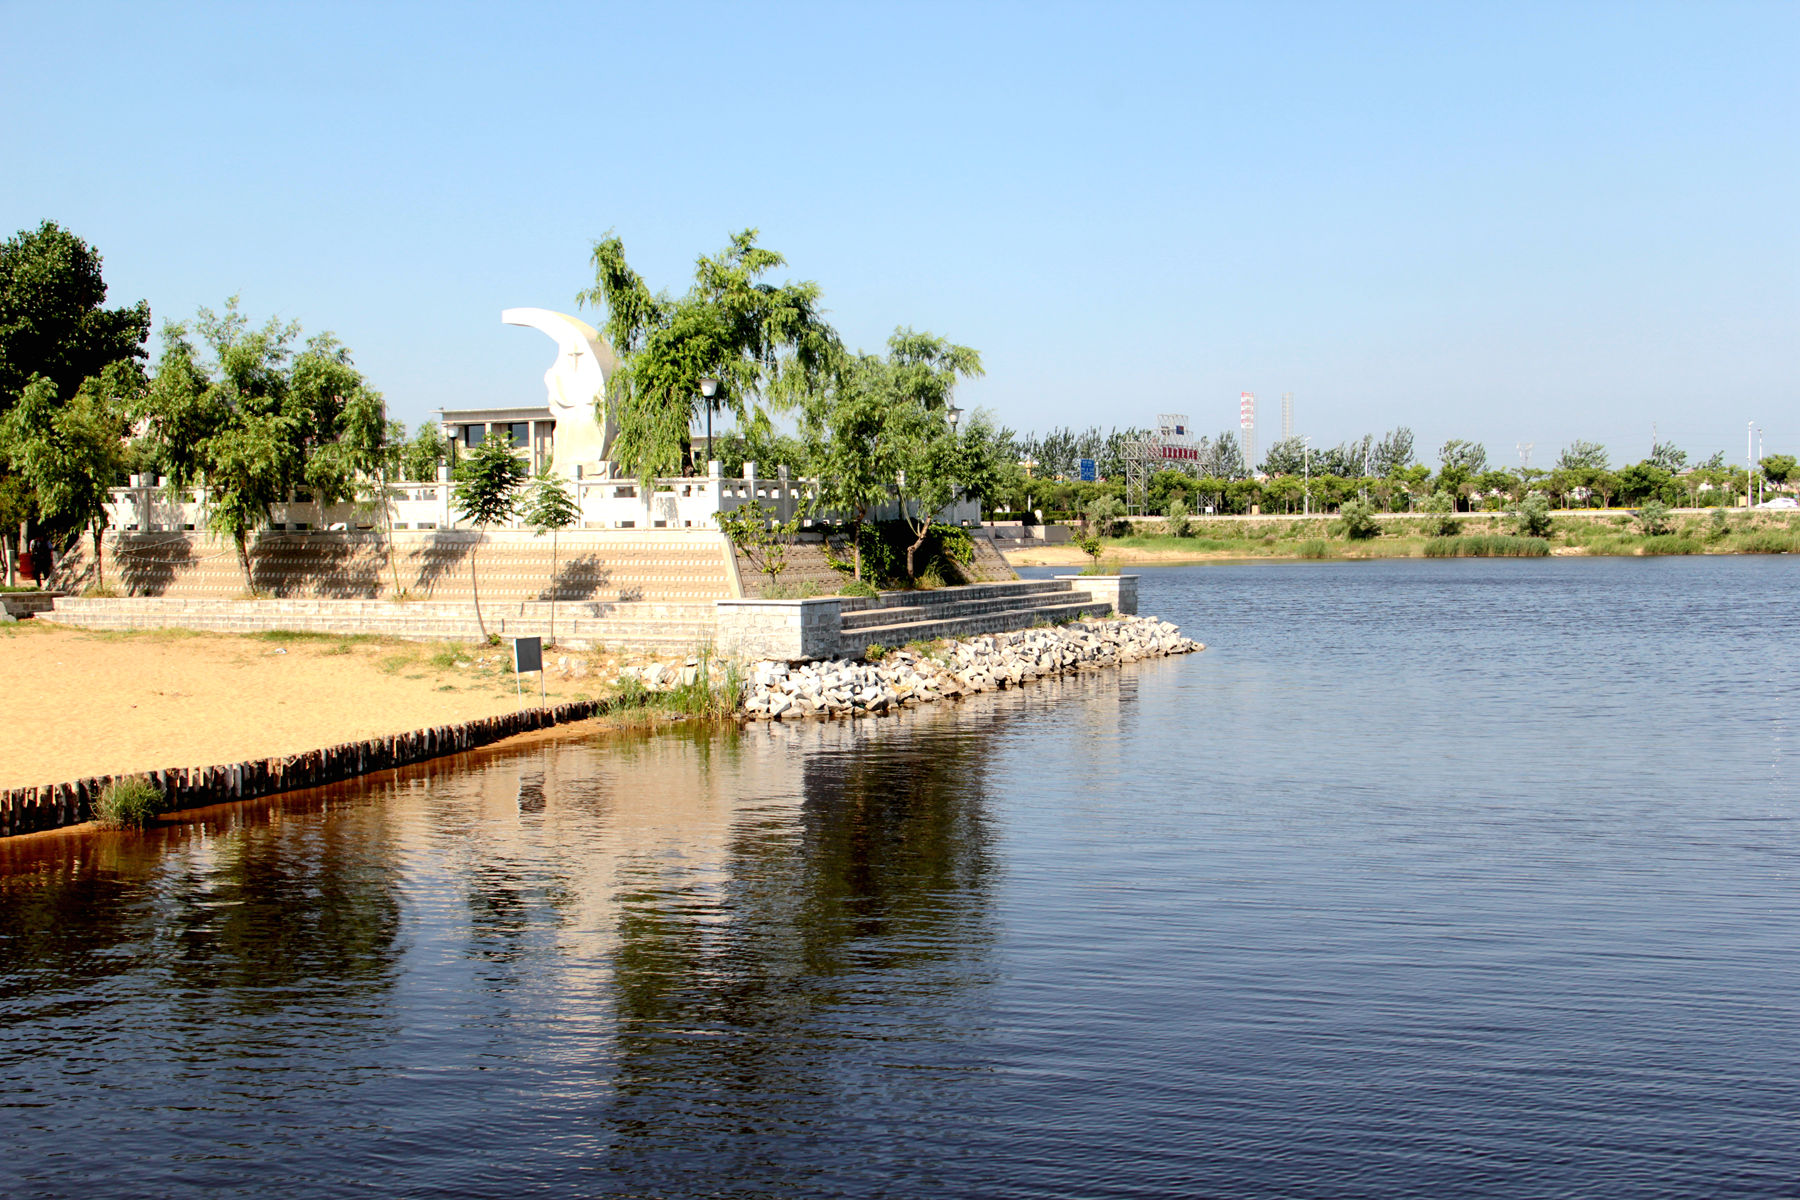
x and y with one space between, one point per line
532 430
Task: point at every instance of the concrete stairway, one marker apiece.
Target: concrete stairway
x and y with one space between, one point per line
897 618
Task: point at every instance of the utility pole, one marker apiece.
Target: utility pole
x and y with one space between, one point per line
1525 456
1749 460
1759 458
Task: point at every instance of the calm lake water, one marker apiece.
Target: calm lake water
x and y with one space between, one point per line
1430 878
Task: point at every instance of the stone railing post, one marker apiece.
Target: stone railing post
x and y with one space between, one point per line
1118 590
786 630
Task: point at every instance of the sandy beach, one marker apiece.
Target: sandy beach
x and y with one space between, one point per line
81 703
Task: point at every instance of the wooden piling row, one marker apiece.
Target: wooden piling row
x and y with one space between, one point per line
51 806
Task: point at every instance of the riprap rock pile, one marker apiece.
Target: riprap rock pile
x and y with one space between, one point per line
777 692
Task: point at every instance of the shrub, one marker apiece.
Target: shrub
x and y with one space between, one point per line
1104 515
1314 548
858 587
1087 543
1653 518
1440 515
129 803
1358 519
1176 523
874 652
1533 516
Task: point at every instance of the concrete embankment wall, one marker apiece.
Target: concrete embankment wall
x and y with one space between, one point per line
660 565
51 806
579 625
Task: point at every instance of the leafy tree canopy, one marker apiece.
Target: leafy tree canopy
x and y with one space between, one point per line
766 344
1459 455
1582 456
52 319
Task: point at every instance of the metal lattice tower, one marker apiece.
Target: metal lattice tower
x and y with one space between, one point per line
1139 452
1287 415
1525 456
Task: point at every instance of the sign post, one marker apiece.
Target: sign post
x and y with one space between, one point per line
528 655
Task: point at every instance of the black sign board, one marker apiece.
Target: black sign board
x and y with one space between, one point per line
528 654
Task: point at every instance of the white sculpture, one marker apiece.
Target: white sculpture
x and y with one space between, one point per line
576 381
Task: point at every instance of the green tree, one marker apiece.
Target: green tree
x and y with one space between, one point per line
550 508
765 344
486 492
419 460
1286 457
877 417
1394 452
1606 484
1582 456
256 421
1667 456
71 455
52 322
1778 468
1643 481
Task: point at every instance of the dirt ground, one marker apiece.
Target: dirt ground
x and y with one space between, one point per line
79 703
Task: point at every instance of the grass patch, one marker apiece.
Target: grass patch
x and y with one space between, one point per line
1768 541
130 803
1487 545
1316 548
1671 543
393 664
446 656
309 635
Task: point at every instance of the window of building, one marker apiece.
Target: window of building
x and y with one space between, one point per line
521 434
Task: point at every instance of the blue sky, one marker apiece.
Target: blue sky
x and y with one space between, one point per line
1503 222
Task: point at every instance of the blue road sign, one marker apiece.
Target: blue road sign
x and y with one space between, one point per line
1088 473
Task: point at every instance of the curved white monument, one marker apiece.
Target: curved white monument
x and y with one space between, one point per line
576 382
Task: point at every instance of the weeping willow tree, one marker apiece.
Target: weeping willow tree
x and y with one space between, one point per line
764 343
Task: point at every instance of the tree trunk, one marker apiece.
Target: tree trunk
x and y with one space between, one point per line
911 550
243 552
6 551
99 558
856 546
387 515
553 587
475 588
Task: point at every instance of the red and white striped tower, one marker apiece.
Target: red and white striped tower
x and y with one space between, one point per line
1247 421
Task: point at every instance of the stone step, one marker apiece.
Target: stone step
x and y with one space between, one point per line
947 609
854 641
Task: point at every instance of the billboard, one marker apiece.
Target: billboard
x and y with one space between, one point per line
1089 473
